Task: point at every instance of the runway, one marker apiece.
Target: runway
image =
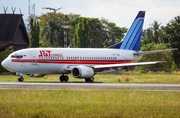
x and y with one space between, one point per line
88 86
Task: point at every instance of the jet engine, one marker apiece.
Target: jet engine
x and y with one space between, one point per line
82 72
35 75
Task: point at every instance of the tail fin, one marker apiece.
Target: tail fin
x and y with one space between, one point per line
133 37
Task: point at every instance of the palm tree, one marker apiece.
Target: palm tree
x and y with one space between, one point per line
53 26
52 9
51 29
175 20
155 27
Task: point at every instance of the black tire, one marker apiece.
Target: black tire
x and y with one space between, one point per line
66 78
89 79
21 79
61 78
92 79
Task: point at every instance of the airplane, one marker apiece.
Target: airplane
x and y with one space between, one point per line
82 63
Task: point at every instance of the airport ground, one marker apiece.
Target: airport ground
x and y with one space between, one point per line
125 77
93 103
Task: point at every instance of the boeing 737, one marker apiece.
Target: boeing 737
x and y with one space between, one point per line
82 63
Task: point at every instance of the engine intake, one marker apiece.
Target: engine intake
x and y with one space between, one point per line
82 72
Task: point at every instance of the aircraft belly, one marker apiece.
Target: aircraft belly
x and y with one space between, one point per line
26 68
50 68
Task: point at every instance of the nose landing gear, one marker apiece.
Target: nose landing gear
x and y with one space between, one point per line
21 79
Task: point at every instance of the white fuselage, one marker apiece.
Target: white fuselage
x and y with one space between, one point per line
56 60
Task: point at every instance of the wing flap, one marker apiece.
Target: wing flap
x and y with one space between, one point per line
126 64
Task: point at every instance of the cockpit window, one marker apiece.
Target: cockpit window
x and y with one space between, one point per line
13 56
17 56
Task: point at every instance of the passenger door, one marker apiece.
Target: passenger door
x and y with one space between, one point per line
33 58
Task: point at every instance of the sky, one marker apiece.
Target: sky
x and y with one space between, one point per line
121 12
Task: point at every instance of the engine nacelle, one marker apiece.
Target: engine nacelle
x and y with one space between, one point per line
82 72
35 75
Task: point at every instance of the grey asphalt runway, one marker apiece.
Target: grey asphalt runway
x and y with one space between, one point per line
88 86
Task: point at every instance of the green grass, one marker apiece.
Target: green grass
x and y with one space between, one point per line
93 103
126 77
88 103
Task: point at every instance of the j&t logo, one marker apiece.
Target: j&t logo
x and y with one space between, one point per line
45 53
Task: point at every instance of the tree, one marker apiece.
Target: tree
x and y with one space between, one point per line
34 32
146 37
88 32
175 20
162 56
3 55
92 32
171 36
51 28
114 33
52 9
156 31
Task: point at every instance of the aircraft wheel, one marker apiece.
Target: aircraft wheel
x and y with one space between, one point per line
21 79
89 79
92 79
66 78
61 78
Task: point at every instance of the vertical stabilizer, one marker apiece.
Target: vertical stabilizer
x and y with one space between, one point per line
133 37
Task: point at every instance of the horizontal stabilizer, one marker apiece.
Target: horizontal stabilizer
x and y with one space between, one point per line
155 51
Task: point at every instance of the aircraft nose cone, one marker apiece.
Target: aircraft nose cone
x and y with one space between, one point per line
7 64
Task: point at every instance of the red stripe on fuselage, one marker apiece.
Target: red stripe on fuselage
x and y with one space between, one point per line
63 61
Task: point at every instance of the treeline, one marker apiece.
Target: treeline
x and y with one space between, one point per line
158 37
47 30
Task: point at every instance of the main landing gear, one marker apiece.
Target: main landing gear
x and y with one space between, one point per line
89 79
63 78
21 79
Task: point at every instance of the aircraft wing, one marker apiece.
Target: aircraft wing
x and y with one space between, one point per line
155 51
126 64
